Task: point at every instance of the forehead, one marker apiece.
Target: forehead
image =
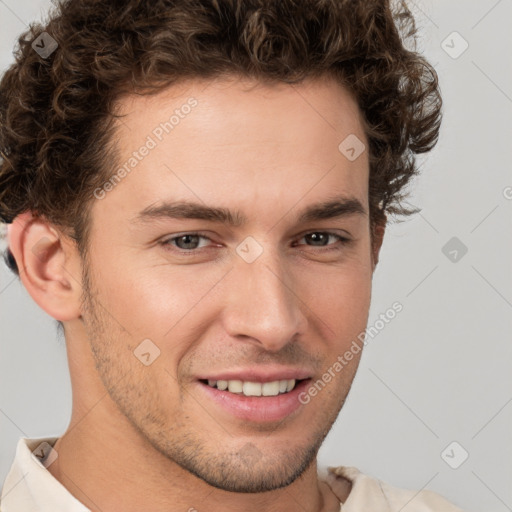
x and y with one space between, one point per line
238 140
247 105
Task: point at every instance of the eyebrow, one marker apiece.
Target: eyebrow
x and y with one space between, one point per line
333 208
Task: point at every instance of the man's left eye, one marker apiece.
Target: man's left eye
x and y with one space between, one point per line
320 238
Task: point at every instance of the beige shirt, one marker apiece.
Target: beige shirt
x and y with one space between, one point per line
30 487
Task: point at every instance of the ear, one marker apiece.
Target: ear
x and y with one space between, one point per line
379 229
49 265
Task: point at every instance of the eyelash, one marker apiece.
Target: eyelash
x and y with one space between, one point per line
167 242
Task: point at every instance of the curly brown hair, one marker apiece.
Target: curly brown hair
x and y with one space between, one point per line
56 112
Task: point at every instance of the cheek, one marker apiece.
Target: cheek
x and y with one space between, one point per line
155 301
338 293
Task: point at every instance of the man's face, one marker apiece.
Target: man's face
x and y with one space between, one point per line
273 298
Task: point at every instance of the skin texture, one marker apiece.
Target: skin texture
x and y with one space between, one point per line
147 437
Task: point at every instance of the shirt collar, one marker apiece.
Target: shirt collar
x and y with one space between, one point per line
30 487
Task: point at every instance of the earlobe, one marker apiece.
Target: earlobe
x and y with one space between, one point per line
48 265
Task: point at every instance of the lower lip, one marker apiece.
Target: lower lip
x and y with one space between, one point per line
260 409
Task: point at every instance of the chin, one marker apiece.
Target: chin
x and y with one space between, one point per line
248 470
251 480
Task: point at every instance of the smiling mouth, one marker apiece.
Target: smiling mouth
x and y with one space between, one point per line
247 388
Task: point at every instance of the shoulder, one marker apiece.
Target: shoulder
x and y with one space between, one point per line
372 494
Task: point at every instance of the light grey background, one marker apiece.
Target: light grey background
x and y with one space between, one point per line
441 370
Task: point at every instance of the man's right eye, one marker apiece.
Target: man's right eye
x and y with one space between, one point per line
186 242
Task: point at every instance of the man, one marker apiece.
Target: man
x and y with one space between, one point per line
198 192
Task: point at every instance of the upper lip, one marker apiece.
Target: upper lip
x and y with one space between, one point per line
259 374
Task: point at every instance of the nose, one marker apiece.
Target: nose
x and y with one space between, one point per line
263 304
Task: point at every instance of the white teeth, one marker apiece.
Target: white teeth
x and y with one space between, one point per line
235 386
251 389
270 388
247 388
